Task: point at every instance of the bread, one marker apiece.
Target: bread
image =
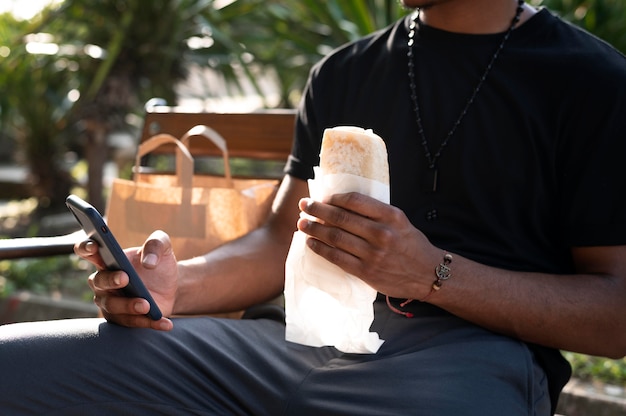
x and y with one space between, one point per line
353 150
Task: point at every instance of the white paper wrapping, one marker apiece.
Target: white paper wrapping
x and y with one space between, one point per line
325 305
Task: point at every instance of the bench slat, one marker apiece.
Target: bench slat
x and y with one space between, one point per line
16 248
259 135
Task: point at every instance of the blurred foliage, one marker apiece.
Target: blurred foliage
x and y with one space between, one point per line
33 110
604 18
71 76
286 37
57 276
586 367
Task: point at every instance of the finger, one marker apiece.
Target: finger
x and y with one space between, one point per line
341 258
140 321
88 250
115 304
162 324
361 204
105 280
157 245
333 215
369 228
333 236
341 209
131 312
353 254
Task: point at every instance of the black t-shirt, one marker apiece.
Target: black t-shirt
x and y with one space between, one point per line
537 165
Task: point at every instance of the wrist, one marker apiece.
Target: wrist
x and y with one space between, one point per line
184 287
437 276
443 272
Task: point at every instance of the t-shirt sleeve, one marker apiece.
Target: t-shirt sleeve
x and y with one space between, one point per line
593 151
307 141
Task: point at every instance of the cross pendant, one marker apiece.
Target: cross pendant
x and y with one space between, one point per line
430 180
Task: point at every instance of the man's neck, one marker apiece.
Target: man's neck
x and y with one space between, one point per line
473 16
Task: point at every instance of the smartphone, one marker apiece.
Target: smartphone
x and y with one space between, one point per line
96 229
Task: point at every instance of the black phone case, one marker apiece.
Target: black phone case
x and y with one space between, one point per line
96 229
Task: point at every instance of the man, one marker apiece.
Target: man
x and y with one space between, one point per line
507 226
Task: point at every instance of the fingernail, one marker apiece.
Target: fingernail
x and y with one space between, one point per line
90 246
140 307
117 280
311 243
150 259
304 203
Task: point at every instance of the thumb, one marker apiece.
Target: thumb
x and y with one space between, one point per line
157 245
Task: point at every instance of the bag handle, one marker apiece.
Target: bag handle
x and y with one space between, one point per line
215 138
184 160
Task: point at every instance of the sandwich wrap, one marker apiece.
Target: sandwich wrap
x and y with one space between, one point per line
324 305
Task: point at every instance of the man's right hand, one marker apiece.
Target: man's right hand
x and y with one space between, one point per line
156 265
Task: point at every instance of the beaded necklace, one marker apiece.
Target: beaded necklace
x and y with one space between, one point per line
432 159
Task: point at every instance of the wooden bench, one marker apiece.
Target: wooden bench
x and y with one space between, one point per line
263 135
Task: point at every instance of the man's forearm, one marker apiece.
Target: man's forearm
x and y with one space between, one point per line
232 277
584 312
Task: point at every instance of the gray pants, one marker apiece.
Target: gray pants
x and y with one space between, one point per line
433 364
